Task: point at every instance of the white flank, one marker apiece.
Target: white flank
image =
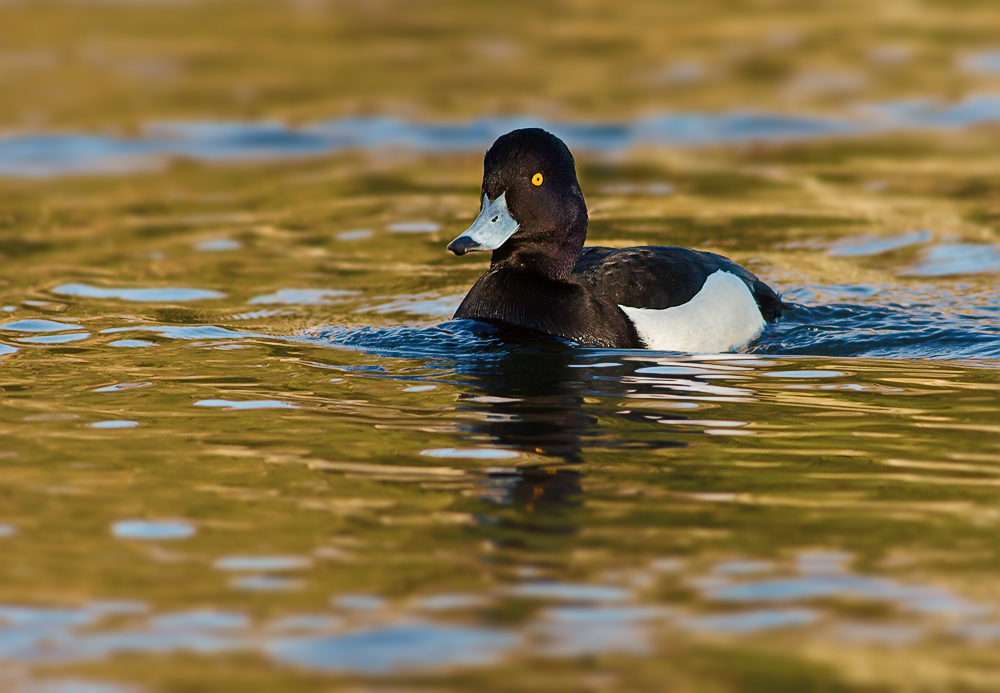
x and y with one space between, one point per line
723 316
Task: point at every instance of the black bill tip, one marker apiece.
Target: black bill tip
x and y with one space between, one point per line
463 245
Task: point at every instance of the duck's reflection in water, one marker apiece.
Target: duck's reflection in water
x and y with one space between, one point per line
542 399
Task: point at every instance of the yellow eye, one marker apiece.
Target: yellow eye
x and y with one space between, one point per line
536 179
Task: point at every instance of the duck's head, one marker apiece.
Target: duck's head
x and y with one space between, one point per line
532 206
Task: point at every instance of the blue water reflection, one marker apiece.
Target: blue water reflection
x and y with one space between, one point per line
138 295
576 619
396 648
36 325
57 154
152 530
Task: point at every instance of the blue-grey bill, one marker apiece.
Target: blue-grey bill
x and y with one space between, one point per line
489 231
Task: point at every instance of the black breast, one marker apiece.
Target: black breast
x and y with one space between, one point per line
567 309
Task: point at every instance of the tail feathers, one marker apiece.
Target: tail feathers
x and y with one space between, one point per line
769 301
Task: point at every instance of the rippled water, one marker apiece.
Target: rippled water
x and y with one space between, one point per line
47 155
237 439
245 448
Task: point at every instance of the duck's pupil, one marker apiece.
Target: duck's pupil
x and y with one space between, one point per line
495 218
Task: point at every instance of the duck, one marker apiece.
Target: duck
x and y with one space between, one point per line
542 279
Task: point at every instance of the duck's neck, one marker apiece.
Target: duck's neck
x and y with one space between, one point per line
552 254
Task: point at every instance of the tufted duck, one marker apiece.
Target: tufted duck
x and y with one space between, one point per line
542 279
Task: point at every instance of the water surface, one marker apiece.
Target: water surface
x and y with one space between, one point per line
244 446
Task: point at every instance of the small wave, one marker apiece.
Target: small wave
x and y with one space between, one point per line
453 339
840 330
881 332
